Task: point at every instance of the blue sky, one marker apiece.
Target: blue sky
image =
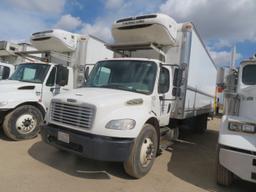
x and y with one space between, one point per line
221 24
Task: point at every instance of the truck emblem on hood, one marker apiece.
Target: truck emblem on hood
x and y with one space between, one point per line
71 100
135 101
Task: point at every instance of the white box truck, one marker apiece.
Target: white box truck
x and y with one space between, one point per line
164 78
65 59
237 136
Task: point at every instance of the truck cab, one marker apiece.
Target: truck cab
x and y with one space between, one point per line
237 137
6 70
116 113
63 60
28 91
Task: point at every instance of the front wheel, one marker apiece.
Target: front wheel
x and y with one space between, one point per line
22 123
143 153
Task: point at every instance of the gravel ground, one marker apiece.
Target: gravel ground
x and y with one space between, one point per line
188 165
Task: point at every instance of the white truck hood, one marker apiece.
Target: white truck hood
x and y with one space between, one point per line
111 104
100 96
14 93
11 85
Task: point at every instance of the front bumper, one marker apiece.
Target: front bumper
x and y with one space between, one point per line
89 145
241 163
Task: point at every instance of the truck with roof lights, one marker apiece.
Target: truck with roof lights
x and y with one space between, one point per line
161 76
237 135
59 64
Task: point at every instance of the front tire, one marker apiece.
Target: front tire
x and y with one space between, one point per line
143 153
23 123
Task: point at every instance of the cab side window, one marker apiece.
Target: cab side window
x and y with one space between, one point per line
164 81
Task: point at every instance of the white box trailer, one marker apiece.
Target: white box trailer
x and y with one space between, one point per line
61 66
162 76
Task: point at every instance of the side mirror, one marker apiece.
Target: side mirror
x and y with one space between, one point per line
177 78
177 82
86 73
6 73
176 92
62 75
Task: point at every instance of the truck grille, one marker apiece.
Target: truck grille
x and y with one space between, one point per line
80 116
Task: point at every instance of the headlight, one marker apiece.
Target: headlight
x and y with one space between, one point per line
235 126
3 103
121 124
248 128
241 127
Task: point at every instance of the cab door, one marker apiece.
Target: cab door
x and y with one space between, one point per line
58 81
165 95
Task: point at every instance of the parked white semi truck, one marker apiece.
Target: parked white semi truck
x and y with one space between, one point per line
25 97
165 78
237 136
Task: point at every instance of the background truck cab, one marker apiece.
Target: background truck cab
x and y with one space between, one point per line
237 137
64 58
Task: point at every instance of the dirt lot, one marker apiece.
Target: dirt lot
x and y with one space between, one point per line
187 166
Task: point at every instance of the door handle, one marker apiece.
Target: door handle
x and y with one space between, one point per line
169 108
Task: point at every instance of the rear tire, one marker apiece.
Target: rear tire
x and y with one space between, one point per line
23 123
223 176
143 153
201 124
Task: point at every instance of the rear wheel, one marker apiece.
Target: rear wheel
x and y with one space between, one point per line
143 153
223 176
201 123
23 123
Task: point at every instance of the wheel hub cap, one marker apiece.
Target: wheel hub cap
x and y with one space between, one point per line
146 152
26 124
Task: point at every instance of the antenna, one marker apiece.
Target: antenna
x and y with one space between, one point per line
233 58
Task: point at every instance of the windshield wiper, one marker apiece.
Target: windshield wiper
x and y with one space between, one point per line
112 86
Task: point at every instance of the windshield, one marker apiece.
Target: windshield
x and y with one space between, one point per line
30 72
129 75
249 75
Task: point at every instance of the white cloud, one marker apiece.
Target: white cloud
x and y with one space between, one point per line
45 6
68 22
230 21
19 25
114 4
99 29
223 58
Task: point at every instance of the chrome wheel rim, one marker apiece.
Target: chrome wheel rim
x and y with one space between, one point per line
146 152
26 124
